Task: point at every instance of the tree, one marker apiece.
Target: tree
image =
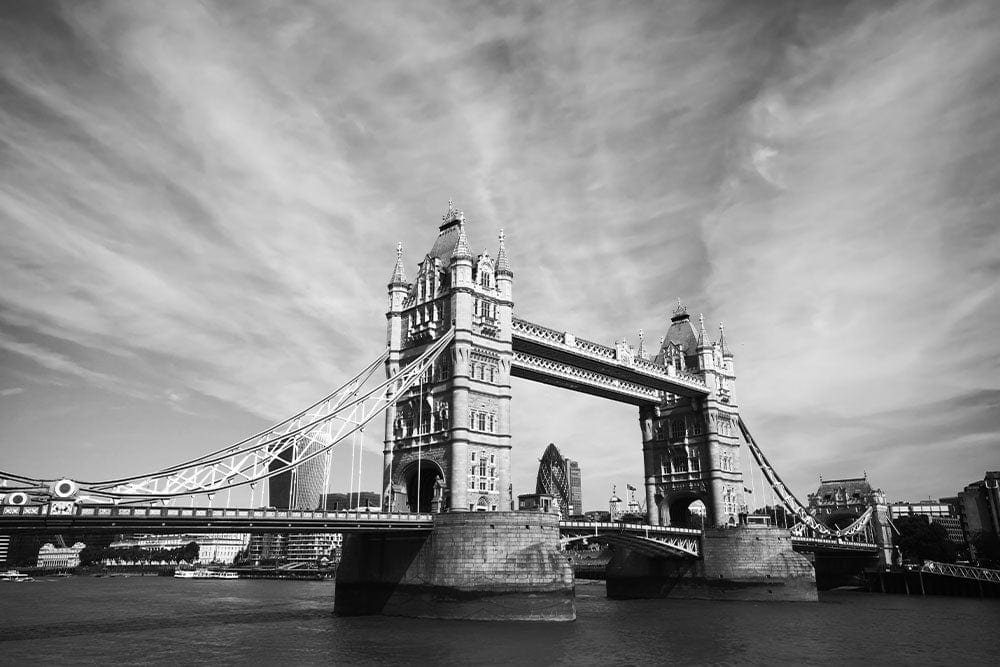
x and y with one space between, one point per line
987 548
189 552
919 539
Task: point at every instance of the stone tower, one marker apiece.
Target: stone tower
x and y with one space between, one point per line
691 446
447 441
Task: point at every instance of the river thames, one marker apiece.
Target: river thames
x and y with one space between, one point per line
157 620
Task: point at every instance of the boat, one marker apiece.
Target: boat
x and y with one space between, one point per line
14 575
205 573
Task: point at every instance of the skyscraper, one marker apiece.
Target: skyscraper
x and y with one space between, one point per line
297 489
560 477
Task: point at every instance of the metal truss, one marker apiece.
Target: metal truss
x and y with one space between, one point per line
281 448
649 540
793 504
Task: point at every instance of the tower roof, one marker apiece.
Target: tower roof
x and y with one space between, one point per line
450 234
681 332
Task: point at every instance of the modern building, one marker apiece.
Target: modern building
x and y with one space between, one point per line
560 478
310 548
52 557
978 507
301 487
937 511
335 502
268 547
212 548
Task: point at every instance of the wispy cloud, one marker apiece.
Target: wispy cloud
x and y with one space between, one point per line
210 194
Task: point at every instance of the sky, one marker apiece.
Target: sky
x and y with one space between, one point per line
200 204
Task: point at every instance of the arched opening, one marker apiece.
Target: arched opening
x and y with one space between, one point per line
687 511
424 487
841 519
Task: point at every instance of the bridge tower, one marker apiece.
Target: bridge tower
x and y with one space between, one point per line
691 448
447 442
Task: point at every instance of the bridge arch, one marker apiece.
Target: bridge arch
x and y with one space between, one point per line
422 486
682 509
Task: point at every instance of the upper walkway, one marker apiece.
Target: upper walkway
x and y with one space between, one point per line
559 358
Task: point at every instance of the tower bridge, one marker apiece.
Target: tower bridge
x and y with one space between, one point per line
453 347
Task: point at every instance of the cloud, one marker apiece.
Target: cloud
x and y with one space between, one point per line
201 201
11 391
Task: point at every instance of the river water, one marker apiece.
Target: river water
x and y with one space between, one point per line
157 620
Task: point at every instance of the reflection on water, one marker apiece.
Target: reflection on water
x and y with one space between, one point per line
160 620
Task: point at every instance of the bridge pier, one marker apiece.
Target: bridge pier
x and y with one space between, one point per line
487 566
745 563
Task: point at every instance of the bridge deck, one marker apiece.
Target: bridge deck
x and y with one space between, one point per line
55 518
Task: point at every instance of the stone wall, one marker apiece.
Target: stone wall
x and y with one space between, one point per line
473 565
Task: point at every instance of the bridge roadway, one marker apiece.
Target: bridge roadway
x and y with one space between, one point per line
61 516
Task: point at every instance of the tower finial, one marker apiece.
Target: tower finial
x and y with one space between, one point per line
642 338
398 273
680 311
452 214
702 339
722 339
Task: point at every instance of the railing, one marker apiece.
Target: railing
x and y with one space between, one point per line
591 378
962 571
842 545
632 527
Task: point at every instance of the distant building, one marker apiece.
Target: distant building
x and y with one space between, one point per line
597 515
560 478
838 502
335 502
212 548
937 511
536 502
300 488
268 547
52 557
978 507
313 547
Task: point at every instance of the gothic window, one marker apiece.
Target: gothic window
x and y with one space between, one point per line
482 485
492 376
492 424
473 456
491 459
695 425
472 419
677 430
482 467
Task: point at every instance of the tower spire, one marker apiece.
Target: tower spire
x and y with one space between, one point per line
398 273
503 264
722 340
702 339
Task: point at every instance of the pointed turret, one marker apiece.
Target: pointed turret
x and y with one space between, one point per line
722 341
461 250
702 338
398 272
503 264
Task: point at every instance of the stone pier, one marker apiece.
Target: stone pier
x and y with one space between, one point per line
473 565
746 563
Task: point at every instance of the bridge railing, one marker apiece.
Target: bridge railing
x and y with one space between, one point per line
621 525
961 571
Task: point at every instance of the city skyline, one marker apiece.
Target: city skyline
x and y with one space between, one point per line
200 206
